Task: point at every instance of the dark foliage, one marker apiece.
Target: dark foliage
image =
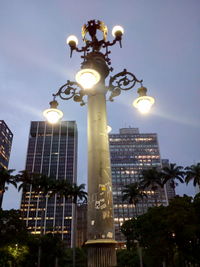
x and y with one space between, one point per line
168 234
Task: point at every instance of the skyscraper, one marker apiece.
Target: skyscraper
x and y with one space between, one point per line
131 152
6 137
52 150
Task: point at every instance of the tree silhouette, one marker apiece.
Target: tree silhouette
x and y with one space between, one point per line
133 193
6 178
193 174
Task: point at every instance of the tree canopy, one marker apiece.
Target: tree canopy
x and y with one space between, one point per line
168 234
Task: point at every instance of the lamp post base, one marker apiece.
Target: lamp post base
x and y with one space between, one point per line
101 253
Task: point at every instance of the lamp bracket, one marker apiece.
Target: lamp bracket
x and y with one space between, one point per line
123 80
92 44
71 90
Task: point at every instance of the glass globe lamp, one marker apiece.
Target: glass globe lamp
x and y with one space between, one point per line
143 103
53 114
72 41
117 31
87 78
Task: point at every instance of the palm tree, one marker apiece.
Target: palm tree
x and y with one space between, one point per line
6 178
77 192
73 192
36 182
171 174
42 183
25 178
133 193
60 187
193 173
152 179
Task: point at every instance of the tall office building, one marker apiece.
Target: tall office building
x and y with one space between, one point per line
52 150
6 137
131 152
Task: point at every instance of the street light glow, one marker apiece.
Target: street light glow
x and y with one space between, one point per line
143 103
87 78
53 115
72 40
117 31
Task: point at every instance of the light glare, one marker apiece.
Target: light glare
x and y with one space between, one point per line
144 106
117 30
53 115
87 78
72 40
144 103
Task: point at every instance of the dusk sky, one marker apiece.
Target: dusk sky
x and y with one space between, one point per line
160 45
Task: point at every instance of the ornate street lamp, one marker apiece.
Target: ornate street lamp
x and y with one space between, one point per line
90 82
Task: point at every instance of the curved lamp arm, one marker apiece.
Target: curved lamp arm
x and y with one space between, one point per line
123 80
71 90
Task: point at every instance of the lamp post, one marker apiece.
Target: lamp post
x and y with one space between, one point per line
90 82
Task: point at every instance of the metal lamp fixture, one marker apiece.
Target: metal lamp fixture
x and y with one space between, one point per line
87 78
53 114
95 67
143 103
90 83
117 31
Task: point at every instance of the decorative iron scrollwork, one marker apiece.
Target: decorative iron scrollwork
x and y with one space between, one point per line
71 90
121 81
93 44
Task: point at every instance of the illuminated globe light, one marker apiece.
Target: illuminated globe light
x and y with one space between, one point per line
117 31
53 114
143 103
72 40
87 78
109 129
